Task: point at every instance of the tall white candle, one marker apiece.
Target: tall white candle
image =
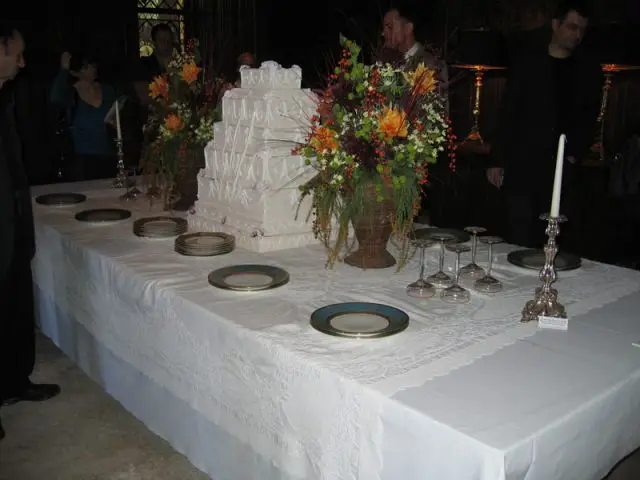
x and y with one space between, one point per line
118 130
557 181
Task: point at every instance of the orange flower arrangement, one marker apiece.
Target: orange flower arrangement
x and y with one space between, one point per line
376 126
181 114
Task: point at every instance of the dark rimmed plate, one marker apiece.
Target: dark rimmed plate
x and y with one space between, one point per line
359 320
60 199
428 232
248 278
534 260
103 215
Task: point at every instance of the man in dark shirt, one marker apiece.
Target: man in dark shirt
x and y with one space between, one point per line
156 63
549 92
17 244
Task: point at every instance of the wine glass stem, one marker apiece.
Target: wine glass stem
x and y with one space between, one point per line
422 258
441 262
457 267
474 246
490 266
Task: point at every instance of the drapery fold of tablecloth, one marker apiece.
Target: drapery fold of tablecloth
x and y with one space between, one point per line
250 363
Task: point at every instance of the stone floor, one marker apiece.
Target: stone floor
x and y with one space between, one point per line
83 434
86 435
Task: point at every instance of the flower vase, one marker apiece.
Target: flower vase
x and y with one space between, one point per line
168 191
373 227
187 178
152 188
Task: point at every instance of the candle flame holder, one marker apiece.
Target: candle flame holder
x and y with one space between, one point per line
545 302
121 177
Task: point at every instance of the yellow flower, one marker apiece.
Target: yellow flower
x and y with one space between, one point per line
173 123
190 72
393 123
323 139
159 87
422 79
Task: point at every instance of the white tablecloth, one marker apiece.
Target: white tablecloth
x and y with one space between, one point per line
465 392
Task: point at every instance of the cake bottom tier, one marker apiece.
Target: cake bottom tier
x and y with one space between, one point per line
251 239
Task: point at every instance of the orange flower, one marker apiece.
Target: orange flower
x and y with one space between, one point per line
324 139
159 87
190 72
422 79
392 123
173 123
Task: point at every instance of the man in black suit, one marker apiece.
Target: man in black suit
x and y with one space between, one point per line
550 91
17 244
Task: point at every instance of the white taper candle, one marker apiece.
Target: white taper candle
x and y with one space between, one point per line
118 130
557 181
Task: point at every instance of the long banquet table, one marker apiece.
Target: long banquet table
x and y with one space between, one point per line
244 386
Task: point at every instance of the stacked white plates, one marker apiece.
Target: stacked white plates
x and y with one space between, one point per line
159 227
205 244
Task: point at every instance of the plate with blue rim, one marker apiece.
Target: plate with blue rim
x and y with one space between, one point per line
248 278
60 199
359 320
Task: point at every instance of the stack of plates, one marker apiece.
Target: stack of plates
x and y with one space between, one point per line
159 227
205 244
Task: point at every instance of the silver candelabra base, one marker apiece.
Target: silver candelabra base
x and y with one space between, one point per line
545 302
121 177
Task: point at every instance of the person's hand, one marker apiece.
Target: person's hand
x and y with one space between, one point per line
65 61
494 175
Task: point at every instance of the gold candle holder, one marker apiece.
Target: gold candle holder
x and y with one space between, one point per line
474 135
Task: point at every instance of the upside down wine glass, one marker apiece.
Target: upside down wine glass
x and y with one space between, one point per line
440 279
456 293
421 288
489 284
473 271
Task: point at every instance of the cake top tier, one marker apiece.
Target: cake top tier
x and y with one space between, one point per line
271 75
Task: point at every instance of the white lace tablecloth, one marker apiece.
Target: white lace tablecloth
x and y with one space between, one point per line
312 405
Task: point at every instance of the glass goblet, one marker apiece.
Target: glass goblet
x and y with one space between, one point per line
131 192
473 271
421 288
440 279
456 293
488 283
133 179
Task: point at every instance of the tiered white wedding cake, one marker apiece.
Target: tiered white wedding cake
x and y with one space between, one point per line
249 186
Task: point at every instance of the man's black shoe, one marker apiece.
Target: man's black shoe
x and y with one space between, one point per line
33 393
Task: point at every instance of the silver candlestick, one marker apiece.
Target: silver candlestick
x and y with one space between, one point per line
121 176
545 302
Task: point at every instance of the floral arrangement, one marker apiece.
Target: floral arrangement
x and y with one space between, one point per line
378 126
183 110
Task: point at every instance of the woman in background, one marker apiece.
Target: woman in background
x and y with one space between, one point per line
85 103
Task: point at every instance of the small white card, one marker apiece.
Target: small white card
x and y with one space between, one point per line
553 323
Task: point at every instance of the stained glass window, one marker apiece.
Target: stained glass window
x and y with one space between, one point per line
153 12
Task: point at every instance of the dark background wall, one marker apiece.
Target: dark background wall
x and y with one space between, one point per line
306 34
